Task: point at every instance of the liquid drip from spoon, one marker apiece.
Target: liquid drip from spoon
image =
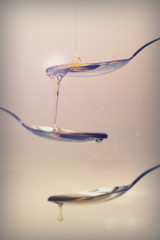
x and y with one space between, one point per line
60 215
56 79
97 195
58 76
56 82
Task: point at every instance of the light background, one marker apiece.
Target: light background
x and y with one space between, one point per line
124 104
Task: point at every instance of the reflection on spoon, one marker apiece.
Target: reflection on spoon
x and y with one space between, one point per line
59 134
91 69
98 195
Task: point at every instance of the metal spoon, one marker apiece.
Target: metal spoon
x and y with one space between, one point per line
98 195
59 134
79 69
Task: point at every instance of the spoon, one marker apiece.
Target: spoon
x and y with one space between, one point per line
59 134
98 195
79 69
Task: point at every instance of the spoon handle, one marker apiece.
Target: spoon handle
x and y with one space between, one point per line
143 174
144 46
12 114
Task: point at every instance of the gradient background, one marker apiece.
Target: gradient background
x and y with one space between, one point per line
124 104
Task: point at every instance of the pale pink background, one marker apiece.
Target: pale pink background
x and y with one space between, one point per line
124 104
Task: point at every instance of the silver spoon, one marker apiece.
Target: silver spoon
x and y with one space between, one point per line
59 134
79 69
98 195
